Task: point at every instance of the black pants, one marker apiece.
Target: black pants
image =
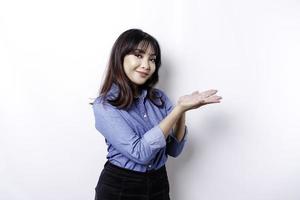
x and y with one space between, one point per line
116 183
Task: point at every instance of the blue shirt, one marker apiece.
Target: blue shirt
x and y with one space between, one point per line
133 137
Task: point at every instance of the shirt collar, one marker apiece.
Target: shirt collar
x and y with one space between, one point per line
114 90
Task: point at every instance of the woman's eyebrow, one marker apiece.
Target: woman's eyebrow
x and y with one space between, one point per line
142 51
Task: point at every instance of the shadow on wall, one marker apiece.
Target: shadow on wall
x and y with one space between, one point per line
201 136
200 139
188 163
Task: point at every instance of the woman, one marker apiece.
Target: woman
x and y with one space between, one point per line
140 125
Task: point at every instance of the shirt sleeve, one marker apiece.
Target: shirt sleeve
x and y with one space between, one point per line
174 147
110 123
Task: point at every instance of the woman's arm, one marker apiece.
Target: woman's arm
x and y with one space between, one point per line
179 127
175 118
119 133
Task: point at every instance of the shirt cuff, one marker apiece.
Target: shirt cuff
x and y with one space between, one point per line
184 136
155 138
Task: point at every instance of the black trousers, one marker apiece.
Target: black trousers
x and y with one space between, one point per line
116 183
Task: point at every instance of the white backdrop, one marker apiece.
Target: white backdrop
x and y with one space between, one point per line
53 55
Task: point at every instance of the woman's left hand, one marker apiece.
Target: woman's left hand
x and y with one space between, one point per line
197 99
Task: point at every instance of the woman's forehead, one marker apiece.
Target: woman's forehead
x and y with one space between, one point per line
146 46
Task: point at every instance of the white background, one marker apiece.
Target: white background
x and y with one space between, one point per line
53 55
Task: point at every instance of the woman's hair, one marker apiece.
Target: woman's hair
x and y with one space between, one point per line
125 44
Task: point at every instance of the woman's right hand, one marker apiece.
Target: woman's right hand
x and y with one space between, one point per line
197 99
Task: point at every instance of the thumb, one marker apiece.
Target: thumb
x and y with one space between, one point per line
195 92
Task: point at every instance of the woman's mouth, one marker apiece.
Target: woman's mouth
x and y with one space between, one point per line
143 73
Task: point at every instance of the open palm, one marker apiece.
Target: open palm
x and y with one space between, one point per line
197 99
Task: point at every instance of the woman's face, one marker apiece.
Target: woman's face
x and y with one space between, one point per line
140 65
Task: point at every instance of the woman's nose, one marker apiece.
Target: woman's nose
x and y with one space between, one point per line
145 64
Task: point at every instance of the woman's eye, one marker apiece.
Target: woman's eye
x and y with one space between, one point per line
141 56
138 55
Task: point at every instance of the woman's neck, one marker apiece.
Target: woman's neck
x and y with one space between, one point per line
136 92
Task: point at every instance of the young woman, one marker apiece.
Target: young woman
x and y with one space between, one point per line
140 124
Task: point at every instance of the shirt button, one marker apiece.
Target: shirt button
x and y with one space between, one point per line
145 115
149 166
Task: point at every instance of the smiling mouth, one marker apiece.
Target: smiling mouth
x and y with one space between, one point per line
142 73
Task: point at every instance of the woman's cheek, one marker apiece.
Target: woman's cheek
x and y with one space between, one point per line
135 62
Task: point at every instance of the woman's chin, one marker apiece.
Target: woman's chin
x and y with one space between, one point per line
139 81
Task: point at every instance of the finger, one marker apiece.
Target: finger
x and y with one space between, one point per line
212 92
208 93
213 98
210 102
218 97
196 92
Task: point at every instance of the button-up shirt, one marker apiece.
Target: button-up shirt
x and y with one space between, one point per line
133 137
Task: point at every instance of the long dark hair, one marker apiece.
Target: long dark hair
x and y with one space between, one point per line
125 44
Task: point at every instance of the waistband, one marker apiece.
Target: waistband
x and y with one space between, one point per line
116 169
